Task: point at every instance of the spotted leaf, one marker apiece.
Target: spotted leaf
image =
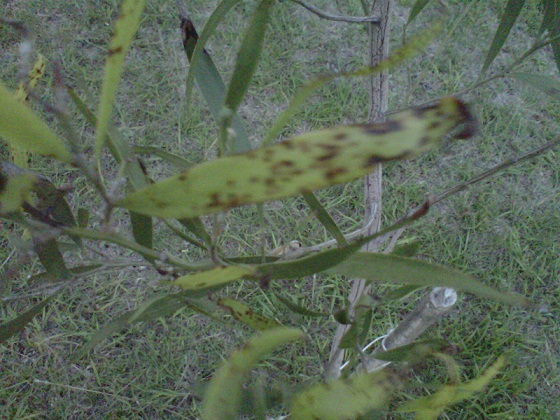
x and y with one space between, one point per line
301 164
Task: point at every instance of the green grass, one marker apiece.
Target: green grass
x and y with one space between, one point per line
504 230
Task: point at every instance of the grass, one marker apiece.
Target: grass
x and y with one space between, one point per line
504 230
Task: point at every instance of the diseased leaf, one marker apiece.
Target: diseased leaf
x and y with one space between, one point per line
20 156
247 316
311 161
223 395
21 128
545 84
215 277
398 56
383 268
432 406
345 398
511 13
126 26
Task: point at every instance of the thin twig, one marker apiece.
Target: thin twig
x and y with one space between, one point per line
338 18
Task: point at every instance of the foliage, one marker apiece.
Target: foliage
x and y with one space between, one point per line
238 177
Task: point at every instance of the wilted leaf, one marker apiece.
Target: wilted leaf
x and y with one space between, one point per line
223 395
432 406
345 398
311 161
126 26
21 128
247 316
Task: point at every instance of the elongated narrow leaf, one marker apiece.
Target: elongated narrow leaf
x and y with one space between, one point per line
175 160
416 9
126 26
311 161
551 16
324 217
383 268
545 84
249 55
195 225
300 310
414 352
196 51
14 326
118 146
213 88
345 398
401 54
247 316
21 128
51 257
15 191
222 398
511 13
213 278
19 155
432 406
142 230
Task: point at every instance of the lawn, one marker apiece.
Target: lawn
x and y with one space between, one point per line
504 230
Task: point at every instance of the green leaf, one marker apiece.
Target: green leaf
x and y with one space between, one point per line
311 161
212 87
142 229
216 277
432 406
401 54
545 84
195 225
383 268
195 48
21 128
416 9
83 217
350 338
14 326
222 398
248 55
414 352
247 316
324 217
511 13
345 398
15 191
51 257
300 309
175 160
126 27
118 146
401 292
551 23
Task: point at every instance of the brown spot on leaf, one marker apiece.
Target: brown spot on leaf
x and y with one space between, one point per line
382 128
216 202
253 179
335 172
230 183
341 136
115 50
425 140
288 144
373 160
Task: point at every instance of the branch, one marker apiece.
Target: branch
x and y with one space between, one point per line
373 19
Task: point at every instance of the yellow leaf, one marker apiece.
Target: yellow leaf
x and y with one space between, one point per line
308 162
